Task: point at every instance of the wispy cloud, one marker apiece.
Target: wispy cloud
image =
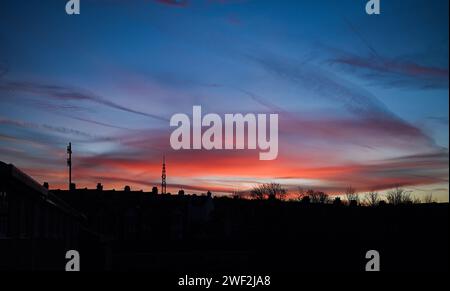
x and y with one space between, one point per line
394 72
63 93
41 129
369 112
401 71
88 120
322 83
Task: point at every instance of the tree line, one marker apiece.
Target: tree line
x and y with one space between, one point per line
395 196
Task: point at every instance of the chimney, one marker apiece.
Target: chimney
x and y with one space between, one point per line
99 187
127 189
46 185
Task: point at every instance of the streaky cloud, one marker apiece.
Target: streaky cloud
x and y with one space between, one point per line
62 93
393 72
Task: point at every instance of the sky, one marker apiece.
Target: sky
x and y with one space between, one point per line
362 99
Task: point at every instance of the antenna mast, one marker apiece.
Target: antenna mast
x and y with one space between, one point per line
163 176
69 163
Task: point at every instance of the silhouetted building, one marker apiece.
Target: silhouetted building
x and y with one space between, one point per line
138 215
337 201
306 200
135 230
31 218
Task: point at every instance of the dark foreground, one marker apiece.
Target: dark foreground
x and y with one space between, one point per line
133 230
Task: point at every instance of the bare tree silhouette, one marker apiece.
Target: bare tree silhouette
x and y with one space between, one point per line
399 196
301 193
313 196
269 190
351 195
372 199
429 199
258 192
317 196
275 190
323 197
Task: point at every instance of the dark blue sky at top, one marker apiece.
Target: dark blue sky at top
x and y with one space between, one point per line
132 64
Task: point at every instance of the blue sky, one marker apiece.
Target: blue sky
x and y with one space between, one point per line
363 99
